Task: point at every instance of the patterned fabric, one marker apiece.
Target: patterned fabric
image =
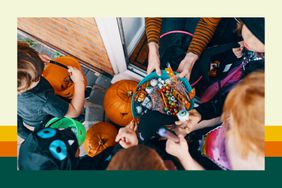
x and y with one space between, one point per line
214 147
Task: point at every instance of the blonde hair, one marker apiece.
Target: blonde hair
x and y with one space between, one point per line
30 66
244 112
137 158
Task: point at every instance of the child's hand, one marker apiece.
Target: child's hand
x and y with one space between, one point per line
177 149
45 58
184 128
127 137
238 52
75 75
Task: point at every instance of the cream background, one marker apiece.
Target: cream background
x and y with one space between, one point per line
12 9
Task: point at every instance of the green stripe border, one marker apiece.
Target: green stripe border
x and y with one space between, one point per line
271 177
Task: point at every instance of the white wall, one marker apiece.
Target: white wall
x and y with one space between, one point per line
133 30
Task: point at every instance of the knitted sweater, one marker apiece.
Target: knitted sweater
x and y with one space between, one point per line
202 35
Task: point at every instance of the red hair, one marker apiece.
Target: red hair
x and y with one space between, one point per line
244 112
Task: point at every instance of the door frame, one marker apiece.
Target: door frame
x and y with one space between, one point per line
110 33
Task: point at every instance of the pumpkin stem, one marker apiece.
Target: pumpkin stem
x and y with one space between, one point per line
100 142
129 93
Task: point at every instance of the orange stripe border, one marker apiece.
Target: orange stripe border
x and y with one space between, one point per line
8 141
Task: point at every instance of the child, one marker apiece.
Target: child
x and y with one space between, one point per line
138 157
56 149
37 102
243 130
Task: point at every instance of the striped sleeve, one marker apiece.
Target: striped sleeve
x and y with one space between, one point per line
203 34
153 29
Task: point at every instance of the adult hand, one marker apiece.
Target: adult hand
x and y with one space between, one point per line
75 75
185 127
186 65
154 59
127 137
177 149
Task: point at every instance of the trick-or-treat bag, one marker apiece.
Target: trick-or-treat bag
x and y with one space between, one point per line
166 94
56 72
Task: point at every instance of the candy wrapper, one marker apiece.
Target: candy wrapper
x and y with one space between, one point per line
167 94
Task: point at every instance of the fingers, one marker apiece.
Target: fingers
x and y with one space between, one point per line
182 74
158 71
118 137
187 76
120 134
149 69
135 128
178 123
71 69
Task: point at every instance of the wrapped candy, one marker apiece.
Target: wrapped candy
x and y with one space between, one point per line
146 100
161 81
183 115
138 109
149 89
149 105
160 85
153 82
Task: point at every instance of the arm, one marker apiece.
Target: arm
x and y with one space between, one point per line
202 36
206 111
181 151
23 132
189 163
77 103
153 29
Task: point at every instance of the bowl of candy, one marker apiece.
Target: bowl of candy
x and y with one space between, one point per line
167 94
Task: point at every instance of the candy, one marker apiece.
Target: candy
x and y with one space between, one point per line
160 85
161 81
183 115
153 82
168 81
138 109
149 89
146 100
149 105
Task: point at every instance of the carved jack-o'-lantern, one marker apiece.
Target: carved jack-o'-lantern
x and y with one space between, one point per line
58 76
117 101
99 137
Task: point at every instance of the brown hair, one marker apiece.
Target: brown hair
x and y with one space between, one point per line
244 106
30 66
137 158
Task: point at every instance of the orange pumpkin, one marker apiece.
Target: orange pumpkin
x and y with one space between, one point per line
117 101
58 76
99 137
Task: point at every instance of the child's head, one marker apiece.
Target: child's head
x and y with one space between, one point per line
49 149
30 67
244 119
138 157
252 31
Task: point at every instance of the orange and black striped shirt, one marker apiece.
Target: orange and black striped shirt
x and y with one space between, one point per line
202 35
